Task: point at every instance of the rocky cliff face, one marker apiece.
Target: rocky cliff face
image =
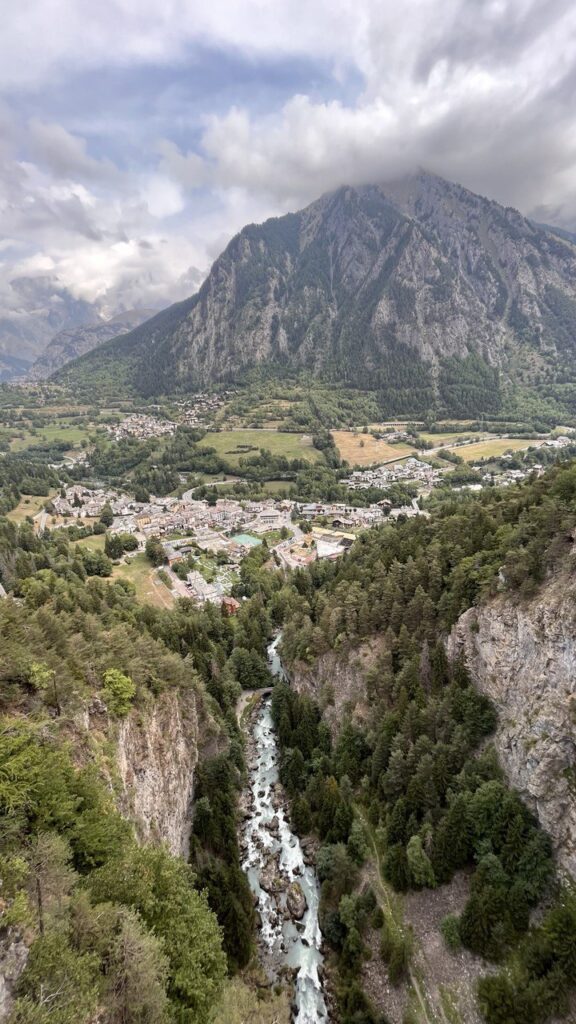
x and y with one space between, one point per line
337 681
523 656
32 311
157 754
367 284
13 957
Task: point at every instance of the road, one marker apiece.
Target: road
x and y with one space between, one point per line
40 521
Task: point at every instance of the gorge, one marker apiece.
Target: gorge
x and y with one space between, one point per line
280 872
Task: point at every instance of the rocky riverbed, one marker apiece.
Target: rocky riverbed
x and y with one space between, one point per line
280 869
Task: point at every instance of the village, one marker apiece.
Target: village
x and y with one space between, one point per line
200 409
141 426
225 531
381 476
203 542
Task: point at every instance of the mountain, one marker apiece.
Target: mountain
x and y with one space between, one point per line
568 236
75 342
417 288
32 311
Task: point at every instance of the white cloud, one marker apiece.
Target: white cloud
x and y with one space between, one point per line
489 102
42 38
162 196
66 154
481 91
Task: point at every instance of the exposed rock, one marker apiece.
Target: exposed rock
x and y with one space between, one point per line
337 680
523 656
270 879
74 342
413 271
157 754
296 901
13 957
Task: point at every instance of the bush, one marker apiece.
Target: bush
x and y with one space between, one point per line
118 692
396 950
450 929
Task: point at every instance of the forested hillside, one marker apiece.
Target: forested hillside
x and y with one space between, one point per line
127 931
414 759
116 929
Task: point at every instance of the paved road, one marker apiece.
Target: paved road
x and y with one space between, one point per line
40 520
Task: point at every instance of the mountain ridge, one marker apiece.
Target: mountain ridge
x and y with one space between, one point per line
379 286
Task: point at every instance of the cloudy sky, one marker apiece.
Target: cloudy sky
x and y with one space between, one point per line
137 136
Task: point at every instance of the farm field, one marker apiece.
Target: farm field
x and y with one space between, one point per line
494 447
229 444
449 439
365 450
277 486
95 542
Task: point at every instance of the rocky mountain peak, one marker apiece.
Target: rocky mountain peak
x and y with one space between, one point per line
366 282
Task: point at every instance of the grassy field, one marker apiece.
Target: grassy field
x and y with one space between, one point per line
149 589
29 505
277 486
95 542
449 439
493 448
232 445
364 450
68 432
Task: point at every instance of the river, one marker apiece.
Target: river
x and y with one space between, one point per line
285 887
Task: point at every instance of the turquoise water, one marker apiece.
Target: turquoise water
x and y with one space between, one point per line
245 538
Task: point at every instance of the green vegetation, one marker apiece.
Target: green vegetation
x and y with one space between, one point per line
128 933
235 445
421 771
125 931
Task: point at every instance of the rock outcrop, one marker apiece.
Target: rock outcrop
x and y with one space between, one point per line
522 654
296 901
76 341
337 681
13 957
157 754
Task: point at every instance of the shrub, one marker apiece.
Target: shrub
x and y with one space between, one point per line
119 692
450 929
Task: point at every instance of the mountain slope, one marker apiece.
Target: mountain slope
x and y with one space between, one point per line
75 342
404 287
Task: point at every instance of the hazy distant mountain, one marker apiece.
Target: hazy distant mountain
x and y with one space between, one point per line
410 287
31 313
75 342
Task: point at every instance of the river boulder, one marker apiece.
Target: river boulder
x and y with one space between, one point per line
270 879
296 901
